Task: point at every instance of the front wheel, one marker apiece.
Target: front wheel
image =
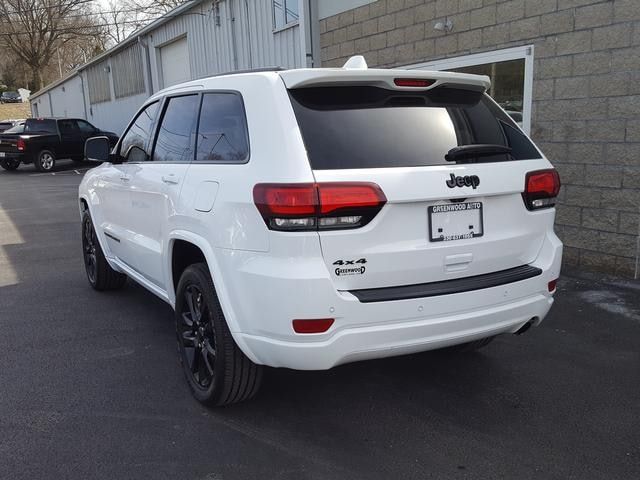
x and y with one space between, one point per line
10 164
99 273
45 161
217 371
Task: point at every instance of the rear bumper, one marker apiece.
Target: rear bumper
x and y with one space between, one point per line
13 156
269 302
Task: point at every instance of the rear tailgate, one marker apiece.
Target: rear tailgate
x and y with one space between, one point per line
442 220
8 144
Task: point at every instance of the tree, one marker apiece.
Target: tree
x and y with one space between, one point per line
33 29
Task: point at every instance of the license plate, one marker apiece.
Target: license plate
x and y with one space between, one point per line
455 221
1 154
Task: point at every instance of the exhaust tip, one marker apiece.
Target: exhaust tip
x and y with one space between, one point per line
526 326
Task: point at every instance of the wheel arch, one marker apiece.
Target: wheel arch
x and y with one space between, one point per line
181 238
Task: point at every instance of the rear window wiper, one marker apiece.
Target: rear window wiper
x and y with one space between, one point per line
476 150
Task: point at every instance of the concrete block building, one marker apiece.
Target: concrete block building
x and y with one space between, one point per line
569 70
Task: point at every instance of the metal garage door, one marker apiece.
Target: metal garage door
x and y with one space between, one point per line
174 59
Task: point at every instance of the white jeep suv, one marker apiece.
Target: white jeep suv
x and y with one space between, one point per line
308 218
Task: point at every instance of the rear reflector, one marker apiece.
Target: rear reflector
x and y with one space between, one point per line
318 206
552 285
413 82
316 325
541 189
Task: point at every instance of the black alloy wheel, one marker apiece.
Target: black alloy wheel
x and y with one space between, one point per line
196 334
89 249
10 164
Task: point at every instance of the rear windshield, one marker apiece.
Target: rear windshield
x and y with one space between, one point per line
40 126
371 127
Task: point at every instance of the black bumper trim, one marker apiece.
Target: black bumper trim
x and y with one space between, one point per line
446 287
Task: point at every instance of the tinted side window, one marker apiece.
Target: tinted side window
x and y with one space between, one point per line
85 127
222 134
138 134
175 140
67 127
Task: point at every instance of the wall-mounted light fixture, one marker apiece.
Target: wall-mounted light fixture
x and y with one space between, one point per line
107 69
445 25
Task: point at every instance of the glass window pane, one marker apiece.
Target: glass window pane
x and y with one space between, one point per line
291 10
222 136
175 141
507 84
279 19
139 132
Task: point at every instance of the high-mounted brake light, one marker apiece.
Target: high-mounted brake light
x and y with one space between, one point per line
20 144
541 188
413 82
318 206
315 325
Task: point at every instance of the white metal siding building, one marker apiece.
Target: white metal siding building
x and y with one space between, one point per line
198 39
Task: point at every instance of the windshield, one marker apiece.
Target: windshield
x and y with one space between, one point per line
400 129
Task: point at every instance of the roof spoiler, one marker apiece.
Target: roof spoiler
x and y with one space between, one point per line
356 72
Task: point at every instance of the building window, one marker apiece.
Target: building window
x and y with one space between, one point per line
98 79
285 13
511 74
128 75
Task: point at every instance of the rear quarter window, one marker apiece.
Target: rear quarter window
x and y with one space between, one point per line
372 127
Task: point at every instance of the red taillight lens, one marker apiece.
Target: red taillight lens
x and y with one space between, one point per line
413 82
541 189
552 285
316 325
20 144
313 206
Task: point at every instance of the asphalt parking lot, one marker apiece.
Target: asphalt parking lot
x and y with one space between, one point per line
90 386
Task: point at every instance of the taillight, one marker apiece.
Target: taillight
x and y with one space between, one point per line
541 189
318 206
413 82
20 144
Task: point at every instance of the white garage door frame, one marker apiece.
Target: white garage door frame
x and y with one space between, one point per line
175 42
516 53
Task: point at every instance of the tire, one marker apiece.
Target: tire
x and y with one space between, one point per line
99 273
10 164
470 346
217 371
45 161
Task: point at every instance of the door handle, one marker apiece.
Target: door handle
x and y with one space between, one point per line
170 179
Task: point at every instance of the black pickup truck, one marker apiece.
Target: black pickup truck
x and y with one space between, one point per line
44 140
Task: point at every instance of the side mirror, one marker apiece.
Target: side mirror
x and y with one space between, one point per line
97 149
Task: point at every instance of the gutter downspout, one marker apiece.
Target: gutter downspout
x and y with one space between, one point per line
145 45
246 5
234 45
50 103
84 99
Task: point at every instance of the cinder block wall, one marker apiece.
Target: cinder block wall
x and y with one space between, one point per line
586 91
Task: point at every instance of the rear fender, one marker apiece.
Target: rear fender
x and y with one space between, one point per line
214 271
